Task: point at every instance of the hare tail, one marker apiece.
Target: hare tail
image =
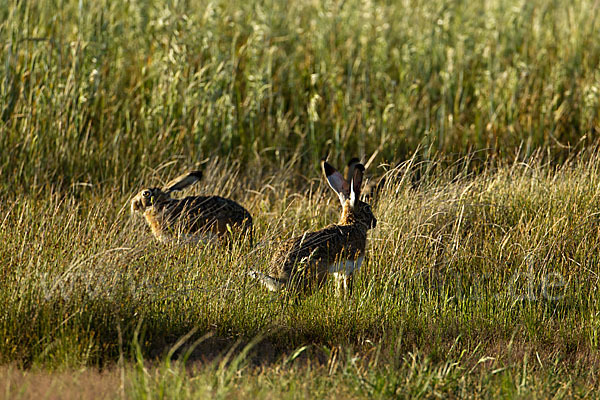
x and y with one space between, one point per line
270 283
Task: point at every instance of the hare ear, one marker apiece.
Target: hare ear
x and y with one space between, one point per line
356 183
336 181
349 170
183 181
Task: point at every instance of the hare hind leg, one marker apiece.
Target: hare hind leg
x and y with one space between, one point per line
344 274
345 282
340 280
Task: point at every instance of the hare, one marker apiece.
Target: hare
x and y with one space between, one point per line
193 218
303 262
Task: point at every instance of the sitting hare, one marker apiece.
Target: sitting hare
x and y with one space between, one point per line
303 262
193 218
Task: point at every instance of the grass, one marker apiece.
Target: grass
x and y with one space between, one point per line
478 120
485 283
95 91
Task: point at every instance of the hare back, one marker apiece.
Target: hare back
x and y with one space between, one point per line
198 213
318 251
207 208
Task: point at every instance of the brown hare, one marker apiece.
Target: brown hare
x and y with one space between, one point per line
303 262
191 219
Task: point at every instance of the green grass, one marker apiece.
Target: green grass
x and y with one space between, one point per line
486 283
479 119
97 91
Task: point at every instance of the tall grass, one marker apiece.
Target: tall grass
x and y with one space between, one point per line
481 117
501 266
94 91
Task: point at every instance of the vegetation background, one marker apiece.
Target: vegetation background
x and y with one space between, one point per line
479 121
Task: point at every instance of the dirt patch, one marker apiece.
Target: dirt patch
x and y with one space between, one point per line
17 383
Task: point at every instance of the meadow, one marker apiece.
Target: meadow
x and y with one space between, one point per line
478 122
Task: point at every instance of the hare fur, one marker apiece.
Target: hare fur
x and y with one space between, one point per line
304 262
191 219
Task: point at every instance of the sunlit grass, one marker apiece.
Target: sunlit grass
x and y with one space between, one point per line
94 91
480 117
501 265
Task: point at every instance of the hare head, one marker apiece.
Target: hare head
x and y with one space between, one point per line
348 190
155 196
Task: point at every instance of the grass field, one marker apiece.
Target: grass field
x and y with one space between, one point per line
480 122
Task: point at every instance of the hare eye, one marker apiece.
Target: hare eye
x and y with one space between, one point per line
146 193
